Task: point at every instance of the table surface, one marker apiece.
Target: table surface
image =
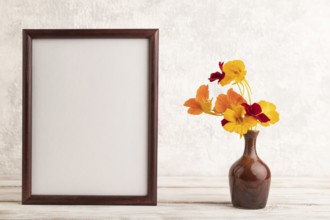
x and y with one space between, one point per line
186 198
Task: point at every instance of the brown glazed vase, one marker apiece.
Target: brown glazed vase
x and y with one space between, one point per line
249 177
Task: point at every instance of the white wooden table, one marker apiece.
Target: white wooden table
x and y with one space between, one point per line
186 198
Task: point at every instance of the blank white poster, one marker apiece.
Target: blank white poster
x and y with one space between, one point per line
90 114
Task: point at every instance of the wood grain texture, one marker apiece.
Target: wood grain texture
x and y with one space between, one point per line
186 198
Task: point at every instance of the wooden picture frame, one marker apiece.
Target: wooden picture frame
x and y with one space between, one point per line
90 116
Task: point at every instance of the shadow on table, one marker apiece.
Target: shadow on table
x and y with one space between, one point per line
224 203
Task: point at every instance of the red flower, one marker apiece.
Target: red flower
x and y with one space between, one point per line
255 111
217 75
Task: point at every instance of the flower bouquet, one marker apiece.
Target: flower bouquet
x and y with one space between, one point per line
249 177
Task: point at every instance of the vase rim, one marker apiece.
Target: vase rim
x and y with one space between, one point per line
251 132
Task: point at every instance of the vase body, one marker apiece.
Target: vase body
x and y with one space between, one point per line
249 177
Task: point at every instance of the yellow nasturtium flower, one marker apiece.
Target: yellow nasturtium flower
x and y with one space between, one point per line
201 103
235 120
234 71
269 109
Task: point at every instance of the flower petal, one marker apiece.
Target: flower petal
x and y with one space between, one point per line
250 121
221 104
267 106
226 79
269 109
223 122
263 118
235 70
202 93
195 111
230 115
216 76
255 109
221 65
226 101
192 103
230 126
240 127
273 118
235 98
194 107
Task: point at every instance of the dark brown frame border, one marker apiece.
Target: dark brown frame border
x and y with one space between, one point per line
151 197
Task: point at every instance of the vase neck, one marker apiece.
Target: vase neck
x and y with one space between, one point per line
250 143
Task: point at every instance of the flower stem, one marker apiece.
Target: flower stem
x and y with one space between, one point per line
248 89
243 88
248 85
240 89
215 114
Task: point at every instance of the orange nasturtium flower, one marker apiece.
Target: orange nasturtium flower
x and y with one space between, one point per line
235 121
269 109
201 103
233 71
226 101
